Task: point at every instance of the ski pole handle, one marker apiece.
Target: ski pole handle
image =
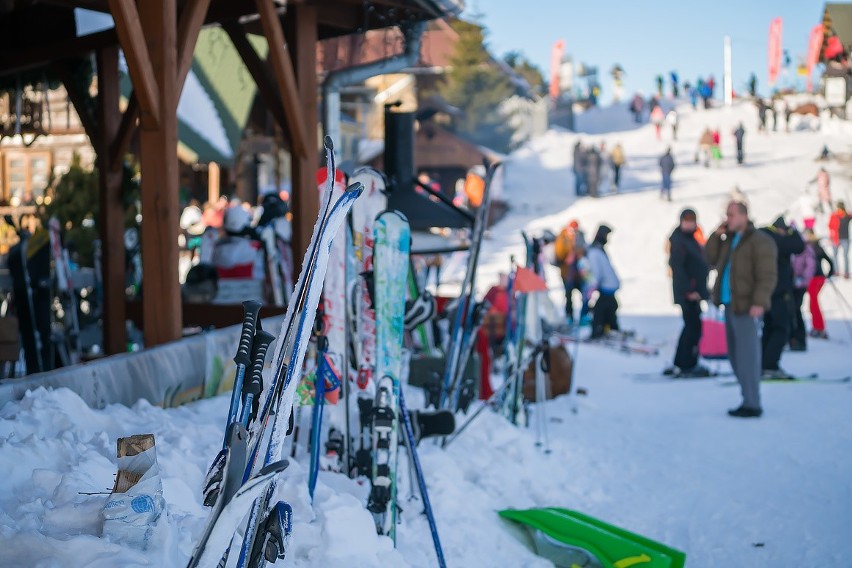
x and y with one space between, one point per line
254 386
251 309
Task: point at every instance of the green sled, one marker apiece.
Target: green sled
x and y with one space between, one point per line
573 540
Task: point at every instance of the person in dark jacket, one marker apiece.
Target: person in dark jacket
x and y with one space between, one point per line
689 286
593 171
667 166
580 187
739 134
777 321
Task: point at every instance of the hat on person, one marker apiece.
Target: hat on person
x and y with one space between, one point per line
603 233
688 214
236 219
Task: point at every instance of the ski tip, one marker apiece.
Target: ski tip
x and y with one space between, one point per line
328 143
356 188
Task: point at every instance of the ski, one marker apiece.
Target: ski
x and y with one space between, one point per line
625 347
809 378
263 538
390 260
684 377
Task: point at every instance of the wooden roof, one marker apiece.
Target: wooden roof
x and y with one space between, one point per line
34 32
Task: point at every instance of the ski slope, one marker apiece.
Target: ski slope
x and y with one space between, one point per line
659 458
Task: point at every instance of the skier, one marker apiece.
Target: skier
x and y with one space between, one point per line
672 120
776 322
689 287
745 264
739 133
667 166
568 248
838 228
752 85
675 84
804 268
761 115
816 284
602 277
617 157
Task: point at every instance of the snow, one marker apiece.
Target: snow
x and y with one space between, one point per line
659 458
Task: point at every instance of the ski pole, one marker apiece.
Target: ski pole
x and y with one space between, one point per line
252 389
251 309
421 481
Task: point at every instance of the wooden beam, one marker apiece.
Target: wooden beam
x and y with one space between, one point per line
158 152
259 71
16 61
189 26
301 27
78 99
133 42
126 130
111 204
282 66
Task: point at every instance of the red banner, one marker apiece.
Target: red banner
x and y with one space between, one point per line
774 50
555 65
814 48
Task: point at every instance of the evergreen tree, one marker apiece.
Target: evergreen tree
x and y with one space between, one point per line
477 86
529 71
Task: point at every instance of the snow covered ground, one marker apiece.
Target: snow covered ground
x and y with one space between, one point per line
662 459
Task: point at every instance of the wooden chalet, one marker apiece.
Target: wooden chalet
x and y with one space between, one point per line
158 38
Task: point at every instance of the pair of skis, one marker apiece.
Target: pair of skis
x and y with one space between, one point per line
252 460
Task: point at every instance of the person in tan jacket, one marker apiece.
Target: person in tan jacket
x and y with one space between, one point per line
745 261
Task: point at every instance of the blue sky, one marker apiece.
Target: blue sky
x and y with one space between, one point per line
649 38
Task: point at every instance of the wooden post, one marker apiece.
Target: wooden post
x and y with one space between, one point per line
161 301
301 34
213 182
111 215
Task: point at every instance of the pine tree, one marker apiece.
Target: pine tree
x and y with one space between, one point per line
477 86
529 71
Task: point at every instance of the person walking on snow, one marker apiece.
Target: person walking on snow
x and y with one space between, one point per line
671 120
716 149
602 277
617 158
605 183
804 268
667 166
816 284
657 119
745 263
592 162
689 287
777 321
568 249
838 230
739 134
823 181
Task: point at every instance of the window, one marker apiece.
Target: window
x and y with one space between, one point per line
25 175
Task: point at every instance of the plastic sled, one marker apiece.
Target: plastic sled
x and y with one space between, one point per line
714 342
573 540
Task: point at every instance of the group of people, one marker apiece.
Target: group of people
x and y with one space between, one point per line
762 276
586 268
235 227
597 170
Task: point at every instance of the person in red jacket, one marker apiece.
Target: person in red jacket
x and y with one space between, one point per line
838 229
